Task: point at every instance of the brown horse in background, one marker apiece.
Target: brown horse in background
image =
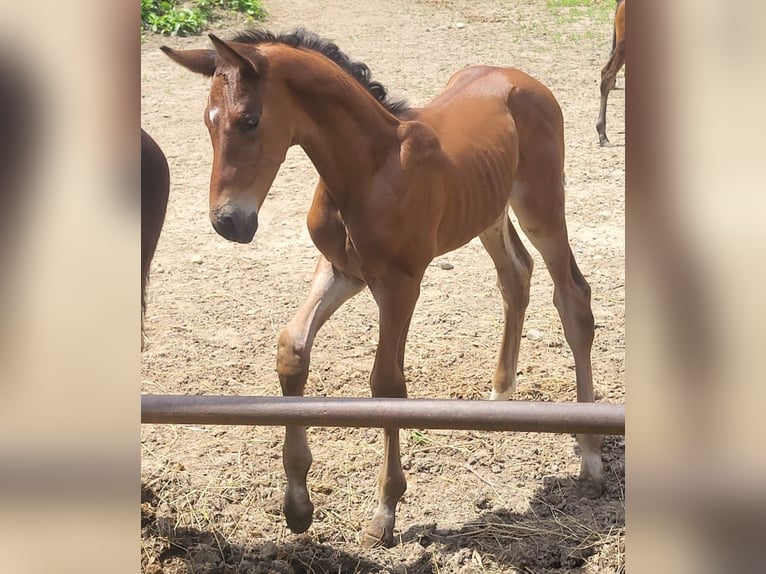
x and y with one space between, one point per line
398 187
155 189
609 72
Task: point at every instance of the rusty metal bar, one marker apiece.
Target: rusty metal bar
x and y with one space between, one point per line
590 418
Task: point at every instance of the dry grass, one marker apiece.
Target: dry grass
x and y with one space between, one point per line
518 526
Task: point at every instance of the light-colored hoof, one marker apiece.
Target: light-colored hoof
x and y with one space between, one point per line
377 534
503 396
372 541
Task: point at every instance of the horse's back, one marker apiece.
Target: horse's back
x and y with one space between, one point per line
494 107
490 87
471 114
503 122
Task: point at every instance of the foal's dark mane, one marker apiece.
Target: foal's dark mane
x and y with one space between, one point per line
302 38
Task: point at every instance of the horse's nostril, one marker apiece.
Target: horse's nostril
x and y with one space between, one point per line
224 225
234 225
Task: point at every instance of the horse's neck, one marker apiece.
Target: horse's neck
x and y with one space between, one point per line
345 132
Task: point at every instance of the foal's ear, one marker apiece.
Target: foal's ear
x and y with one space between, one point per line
198 61
231 55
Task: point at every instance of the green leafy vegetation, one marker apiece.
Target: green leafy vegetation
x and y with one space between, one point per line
178 18
579 19
573 10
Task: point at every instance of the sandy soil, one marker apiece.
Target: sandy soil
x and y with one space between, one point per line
476 502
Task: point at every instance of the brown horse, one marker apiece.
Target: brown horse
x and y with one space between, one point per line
609 72
155 189
398 186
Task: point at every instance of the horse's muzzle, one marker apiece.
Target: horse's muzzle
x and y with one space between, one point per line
234 224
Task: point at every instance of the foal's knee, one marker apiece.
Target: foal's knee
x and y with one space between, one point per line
292 355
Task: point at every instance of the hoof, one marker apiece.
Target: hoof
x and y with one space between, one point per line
298 516
501 396
371 540
379 532
590 488
603 142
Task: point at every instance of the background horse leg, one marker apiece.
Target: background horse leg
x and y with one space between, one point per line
610 70
396 298
329 290
514 270
571 297
608 76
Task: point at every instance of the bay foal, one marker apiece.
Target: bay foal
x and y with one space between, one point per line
398 186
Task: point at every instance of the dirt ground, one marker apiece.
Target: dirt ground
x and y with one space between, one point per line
476 501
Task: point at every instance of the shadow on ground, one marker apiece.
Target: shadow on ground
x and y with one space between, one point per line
560 532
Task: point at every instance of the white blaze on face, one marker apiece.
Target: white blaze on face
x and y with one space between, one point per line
246 203
212 115
243 203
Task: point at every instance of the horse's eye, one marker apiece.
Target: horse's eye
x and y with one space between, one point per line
250 123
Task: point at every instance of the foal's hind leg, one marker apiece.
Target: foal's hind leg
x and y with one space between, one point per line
514 270
329 290
571 296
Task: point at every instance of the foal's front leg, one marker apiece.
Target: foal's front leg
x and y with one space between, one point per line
396 297
329 290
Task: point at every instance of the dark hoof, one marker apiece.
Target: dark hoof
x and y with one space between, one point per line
590 489
299 520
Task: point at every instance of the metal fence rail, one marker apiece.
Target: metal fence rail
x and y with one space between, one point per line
523 416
